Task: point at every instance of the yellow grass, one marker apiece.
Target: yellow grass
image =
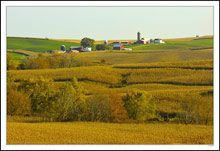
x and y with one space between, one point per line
107 133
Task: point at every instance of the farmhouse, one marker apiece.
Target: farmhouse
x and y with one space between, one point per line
158 40
79 48
118 47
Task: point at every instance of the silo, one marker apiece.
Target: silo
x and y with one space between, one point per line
63 47
105 41
138 36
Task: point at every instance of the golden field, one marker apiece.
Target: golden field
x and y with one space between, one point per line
107 133
171 75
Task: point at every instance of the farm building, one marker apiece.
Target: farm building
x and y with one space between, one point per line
79 48
118 47
74 51
143 41
126 49
63 47
87 49
116 42
106 42
125 42
158 40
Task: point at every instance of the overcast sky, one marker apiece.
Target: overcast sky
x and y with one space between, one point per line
102 23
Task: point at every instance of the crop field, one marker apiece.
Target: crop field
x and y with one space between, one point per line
180 70
106 133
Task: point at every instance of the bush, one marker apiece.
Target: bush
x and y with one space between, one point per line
102 47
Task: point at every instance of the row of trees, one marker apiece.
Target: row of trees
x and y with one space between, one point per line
71 104
48 61
37 97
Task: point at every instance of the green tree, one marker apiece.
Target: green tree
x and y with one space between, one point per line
71 103
87 42
139 105
43 97
18 102
102 47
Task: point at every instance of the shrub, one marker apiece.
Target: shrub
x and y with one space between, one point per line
117 110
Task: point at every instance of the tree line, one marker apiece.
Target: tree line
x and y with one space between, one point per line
37 97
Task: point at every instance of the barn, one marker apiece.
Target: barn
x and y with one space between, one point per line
125 42
118 47
79 48
116 42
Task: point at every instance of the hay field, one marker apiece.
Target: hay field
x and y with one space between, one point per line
106 133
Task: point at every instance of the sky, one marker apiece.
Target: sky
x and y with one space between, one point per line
110 23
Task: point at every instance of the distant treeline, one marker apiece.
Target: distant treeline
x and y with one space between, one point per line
48 61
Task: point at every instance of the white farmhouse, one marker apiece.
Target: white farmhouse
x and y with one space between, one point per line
158 40
87 49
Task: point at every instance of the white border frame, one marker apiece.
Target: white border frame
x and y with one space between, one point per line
110 3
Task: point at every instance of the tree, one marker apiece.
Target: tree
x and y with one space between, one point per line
117 110
43 97
18 102
71 103
102 47
139 105
11 63
98 108
87 42
197 108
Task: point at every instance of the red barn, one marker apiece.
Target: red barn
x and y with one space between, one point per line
118 47
79 48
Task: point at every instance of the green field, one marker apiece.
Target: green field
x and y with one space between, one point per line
17 56
36 45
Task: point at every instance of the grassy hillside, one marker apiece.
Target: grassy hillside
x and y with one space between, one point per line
17 56
36 45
